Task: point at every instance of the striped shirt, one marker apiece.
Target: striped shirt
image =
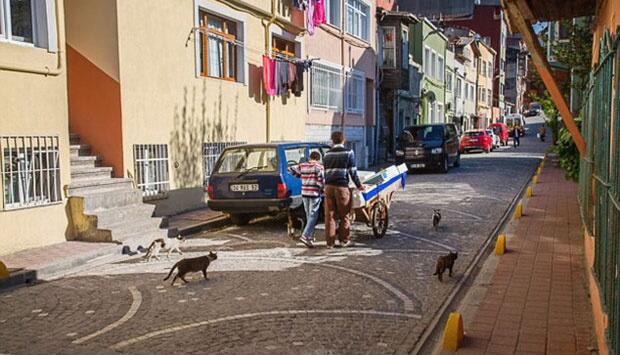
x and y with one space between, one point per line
339 166
312 178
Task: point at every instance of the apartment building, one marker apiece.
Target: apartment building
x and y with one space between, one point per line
341 84
158 97
34 132
466 62
485 57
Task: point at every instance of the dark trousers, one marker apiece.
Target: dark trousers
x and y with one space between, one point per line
337 206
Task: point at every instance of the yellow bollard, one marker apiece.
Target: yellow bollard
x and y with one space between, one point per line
4 272
538 171
535 179
500 245
519 210
529 193
453 332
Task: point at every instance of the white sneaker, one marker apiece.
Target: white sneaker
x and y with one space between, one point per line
349 243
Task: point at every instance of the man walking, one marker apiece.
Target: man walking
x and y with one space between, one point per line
339 165
517 136
312 184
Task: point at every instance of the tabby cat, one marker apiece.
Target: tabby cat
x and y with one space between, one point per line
184 266
445 262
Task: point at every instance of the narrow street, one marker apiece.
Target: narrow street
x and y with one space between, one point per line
269 294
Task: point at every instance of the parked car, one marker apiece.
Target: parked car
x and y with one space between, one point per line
534 109
476 140
253 179
494 138
434 146
501 130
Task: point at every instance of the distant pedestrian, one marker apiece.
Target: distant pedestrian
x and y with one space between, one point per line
339 166
312 185
517 136
542 132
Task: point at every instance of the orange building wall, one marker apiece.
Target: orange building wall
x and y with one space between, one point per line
607 18
95 109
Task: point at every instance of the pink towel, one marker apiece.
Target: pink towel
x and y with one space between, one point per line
310 17
319 12
269 69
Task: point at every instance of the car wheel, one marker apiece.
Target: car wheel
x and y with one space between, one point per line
240 219
457 162
444 165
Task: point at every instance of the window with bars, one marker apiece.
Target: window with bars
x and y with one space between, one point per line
326 86
151 168
210 153
355 91
218 47
358 19
30 171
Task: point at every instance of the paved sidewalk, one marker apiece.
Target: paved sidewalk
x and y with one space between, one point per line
537 301
195 220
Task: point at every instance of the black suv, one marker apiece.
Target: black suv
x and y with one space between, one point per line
434 146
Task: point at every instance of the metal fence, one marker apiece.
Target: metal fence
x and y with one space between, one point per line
210 153
599 179
151 168
30 170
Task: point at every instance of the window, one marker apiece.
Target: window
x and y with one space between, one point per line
405 47
490 70
427 61
326 89
449 81
210 153
459 85
489 97
295 156
236 160
440 69
358 19
30 170
17 21
218 47
332 12
482 96
389 47
433 65
484 68
440 114
355 92
151 168
283 47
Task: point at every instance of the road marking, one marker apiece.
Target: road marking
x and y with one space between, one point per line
246 239
447 247
169 330
407 302
135 304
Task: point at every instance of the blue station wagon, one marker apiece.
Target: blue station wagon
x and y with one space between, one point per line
253 179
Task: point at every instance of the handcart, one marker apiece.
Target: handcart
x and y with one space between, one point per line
370 206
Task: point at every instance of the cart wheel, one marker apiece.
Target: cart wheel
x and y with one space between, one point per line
379 219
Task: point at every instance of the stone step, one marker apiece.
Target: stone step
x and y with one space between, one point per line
79 150
91 186
125 228
109 217
89 161
96 201
74 138
90 173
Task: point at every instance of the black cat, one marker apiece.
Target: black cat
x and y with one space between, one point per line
184 266
445 262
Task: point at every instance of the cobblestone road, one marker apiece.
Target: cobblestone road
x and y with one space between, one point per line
269 294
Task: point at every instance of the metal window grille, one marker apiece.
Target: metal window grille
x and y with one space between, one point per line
355 92
326 90
30 171
210 153
151 168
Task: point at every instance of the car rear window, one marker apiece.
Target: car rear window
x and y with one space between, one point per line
474 134
238 160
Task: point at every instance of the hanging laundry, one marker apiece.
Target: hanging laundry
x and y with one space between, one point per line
310 17
269 75
298 86
281 77
318 16
300 4
292 75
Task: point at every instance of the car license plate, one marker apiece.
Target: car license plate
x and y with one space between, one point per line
243 187
417 165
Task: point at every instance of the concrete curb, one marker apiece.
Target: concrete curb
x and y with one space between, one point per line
424 345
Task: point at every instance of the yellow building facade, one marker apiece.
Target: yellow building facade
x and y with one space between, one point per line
485 57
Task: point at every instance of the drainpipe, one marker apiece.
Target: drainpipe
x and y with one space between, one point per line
267 25
59 55
344 94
